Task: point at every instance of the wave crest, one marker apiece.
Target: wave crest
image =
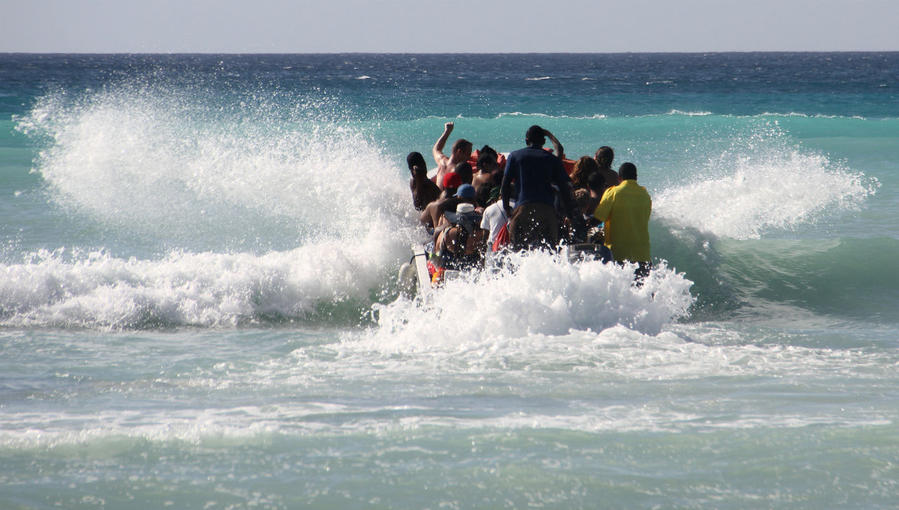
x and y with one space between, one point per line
762 183
541 296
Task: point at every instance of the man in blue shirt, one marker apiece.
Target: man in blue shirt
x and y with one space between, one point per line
538 176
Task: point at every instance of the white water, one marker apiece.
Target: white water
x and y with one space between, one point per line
761 184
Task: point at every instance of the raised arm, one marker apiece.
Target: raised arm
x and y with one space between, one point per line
505 189
557 146
437 151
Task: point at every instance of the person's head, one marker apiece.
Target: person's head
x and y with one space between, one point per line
416 163
466 192
465 172
451 182
627 171
596 183
465 233
534 136
604 156
488 149
487 161
583 168
461 150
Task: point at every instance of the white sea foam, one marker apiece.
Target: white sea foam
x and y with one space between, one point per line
97 290
177 169
170 168
763 183
807 116
354 389
541 296
690 114
544 115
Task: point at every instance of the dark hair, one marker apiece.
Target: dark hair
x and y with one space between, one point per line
596 182
583 169
535 135
486 158
465 172
627 171
415 159
605 154
460 143
488 149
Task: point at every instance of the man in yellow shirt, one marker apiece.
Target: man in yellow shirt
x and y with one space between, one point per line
625 209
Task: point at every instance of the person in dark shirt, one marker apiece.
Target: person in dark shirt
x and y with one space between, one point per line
539 176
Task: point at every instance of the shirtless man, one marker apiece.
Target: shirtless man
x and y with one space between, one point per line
446 164
433 212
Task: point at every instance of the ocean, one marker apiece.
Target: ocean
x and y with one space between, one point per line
199 306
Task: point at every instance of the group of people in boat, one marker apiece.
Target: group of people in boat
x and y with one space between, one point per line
480 202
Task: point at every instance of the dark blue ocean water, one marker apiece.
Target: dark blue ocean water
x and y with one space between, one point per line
198 305
404 87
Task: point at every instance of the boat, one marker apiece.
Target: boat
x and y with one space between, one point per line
416 277
420 275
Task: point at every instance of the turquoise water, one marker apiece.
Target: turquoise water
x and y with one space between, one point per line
198 306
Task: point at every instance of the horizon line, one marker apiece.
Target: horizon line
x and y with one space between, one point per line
439 53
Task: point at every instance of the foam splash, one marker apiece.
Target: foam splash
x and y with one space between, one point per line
170 163
762 184
96 290
541 296
256 206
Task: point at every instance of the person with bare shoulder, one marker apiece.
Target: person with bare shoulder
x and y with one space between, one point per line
583 169
424 191
431 215
461 243
604 157
489 173
466 173
461 151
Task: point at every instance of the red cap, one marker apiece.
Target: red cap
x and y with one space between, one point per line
452 180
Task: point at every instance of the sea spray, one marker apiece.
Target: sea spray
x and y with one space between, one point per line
535 294
764 182
162 163
320 281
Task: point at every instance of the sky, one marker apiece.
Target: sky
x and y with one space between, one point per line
458 26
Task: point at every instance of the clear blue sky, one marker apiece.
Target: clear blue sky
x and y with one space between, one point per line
303 26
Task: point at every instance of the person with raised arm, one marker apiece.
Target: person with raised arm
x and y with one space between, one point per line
538 175
558 150
461 151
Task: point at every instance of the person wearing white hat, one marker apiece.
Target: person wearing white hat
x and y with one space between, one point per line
460 244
